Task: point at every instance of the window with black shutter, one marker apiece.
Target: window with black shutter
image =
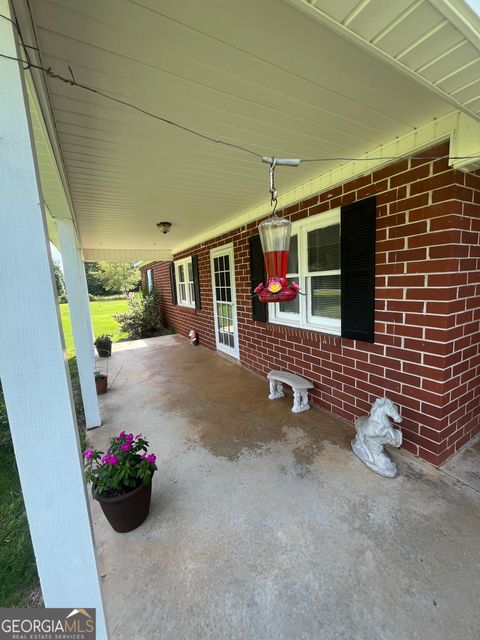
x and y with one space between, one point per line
332 258
358 270
187 281
257 275
173 284
196 282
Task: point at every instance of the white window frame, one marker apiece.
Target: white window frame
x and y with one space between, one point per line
149 280
187 300
303 319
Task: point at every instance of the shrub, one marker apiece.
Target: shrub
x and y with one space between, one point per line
143 319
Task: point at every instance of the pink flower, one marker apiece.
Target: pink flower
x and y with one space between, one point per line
143 456
122 434
139 435
151 458
126 446
130 437
105 457
258 288
88 454
112 460
294 286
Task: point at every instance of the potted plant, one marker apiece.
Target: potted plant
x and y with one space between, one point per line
122 480
101 381
104 345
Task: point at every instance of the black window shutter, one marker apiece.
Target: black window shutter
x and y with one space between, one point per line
257 275
173 283
196 282
358 270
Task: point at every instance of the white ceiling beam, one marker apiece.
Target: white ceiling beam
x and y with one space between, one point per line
126 255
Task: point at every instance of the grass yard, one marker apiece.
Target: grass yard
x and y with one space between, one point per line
18 571
102 319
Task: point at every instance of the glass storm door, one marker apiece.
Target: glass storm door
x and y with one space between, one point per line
224 300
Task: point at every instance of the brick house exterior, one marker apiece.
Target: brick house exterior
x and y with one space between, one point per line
427 311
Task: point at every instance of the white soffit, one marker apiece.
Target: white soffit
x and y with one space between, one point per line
260 74
435 41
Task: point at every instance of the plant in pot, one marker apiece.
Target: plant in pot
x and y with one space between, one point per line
122 480
104 345
101 382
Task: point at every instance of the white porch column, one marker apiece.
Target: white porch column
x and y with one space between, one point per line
80 316
33 367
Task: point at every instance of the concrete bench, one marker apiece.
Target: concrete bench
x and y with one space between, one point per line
299 386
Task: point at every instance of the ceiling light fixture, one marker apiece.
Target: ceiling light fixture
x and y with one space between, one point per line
164 226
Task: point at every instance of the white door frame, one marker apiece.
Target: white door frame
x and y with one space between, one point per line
226 249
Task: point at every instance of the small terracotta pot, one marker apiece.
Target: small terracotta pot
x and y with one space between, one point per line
101 384
127 512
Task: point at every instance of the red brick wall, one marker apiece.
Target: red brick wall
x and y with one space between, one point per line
426 352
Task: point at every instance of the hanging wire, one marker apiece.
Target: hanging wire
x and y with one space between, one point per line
51 73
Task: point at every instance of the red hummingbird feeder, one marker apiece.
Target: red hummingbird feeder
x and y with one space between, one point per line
275 238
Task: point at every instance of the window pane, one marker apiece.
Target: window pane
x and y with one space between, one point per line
290 307
190 272
183 295
192 292
181 273
325 296
324 248
293 255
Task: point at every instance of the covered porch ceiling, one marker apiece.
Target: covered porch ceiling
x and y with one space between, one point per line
287 78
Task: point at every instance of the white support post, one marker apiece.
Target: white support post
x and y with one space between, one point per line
33 366
80 317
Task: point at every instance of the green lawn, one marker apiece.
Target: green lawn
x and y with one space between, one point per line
102 319
18 571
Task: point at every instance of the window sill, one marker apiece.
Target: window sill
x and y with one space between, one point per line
186 306
334 331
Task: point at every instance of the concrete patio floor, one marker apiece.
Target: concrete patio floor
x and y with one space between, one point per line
263 523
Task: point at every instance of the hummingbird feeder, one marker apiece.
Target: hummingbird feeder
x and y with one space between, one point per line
275 238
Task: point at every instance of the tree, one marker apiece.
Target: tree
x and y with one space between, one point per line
117 277
95 287
59 280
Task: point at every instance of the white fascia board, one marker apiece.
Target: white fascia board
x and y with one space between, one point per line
41 113
408 144
37 115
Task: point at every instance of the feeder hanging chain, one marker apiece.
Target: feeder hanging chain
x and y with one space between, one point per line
273 191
